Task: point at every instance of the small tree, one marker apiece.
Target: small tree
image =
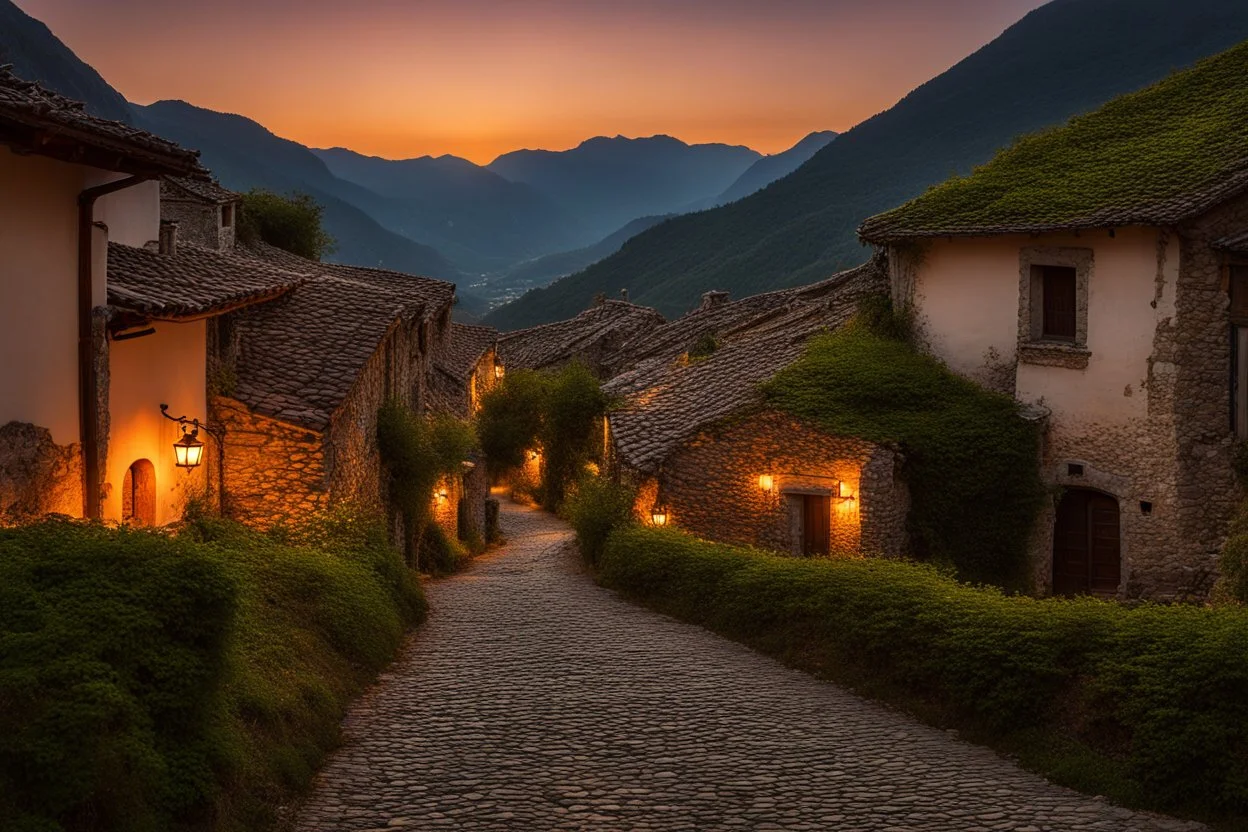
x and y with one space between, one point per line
510 420
571 429
292 223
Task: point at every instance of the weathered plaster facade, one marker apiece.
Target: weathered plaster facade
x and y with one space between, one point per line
711 486
1139 405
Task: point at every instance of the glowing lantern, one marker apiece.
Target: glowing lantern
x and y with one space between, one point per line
442 495
658 515
189 451
499 372
767 483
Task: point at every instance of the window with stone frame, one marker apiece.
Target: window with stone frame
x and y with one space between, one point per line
1053 306
227 216
1238 287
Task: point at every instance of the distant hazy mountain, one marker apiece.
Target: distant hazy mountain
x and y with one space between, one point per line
776 166
244 155
38 55
609 182
475 216
1064 58
542 270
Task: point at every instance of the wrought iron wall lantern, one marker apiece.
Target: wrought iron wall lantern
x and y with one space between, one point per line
188 452
659 515
499 371
767 483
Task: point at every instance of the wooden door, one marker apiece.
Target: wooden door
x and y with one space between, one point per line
816 524
1087 544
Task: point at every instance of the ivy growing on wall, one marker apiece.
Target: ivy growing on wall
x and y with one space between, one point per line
971 461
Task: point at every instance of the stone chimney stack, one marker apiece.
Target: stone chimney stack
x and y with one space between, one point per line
168 237
712 299
624 295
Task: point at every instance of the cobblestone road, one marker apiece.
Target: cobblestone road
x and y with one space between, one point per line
533 699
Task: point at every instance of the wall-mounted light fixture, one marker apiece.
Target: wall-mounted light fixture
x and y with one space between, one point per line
442 495
659 515
188 452
767 483
533 455
499 371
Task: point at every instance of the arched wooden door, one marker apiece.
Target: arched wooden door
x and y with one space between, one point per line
1087 544
138 494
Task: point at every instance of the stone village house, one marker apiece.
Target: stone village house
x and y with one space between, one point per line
590 337
1124 317
710 458
99 325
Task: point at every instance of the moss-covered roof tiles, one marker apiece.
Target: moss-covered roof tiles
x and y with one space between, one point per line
1155 157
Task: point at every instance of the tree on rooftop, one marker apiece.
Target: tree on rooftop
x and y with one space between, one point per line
290 222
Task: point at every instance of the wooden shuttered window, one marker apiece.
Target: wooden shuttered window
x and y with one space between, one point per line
1058 291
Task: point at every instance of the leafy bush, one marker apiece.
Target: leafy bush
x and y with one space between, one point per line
560 412
970 460
571 429
1159 693
418 452
291 223
439 554
510 420
156 682
595 508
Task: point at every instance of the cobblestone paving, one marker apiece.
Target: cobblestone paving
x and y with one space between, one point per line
535 700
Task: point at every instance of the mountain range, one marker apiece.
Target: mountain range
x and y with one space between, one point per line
1064 58
440 216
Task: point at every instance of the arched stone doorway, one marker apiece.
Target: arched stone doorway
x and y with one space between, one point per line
1087 544
138 494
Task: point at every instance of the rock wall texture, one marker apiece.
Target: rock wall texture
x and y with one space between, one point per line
198 222
37 476
711 486
274 472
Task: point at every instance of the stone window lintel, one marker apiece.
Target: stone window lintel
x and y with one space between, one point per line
1032 347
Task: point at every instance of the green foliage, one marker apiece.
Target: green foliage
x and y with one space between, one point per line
1160 694
418 452
596 507
704 346
559 412
292 223
1186 132
571 429
1233 562
510 420
970 460
149 681
440 554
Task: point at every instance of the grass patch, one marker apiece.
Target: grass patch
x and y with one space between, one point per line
1147 704
970 460
153 682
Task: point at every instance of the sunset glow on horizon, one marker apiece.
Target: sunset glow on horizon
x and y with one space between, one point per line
478 78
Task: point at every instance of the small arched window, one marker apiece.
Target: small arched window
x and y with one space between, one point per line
138 494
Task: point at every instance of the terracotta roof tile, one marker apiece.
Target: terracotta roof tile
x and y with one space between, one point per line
192 282
665 402
41 121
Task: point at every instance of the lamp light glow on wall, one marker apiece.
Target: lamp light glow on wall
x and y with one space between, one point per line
499 371
533 455
659 515
442 495
767 483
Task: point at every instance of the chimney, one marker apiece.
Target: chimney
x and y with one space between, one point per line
624 295
168 237
712 299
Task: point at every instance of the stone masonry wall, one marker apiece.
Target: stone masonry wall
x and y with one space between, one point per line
273 472
711 486
198 223
37 476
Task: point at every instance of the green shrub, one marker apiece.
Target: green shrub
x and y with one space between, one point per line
1158 694
418 452
970 460
510 420
439 554
291 222
149 681
571 429
595 508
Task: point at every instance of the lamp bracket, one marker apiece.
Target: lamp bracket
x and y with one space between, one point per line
195 424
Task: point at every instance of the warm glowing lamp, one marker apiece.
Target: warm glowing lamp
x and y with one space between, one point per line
658 515
189 451
499 372
533 455
442 495
767 483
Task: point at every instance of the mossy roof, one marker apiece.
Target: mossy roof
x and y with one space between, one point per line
1154 157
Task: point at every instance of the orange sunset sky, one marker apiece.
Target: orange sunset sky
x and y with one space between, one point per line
476 78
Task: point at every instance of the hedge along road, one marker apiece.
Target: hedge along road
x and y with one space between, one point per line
534 699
